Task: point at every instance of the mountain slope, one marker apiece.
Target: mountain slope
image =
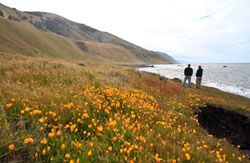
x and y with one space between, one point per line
39 33
168 57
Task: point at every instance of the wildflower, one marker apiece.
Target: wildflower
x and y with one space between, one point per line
110 149
157 159
44 151
63 146
36 154
67 156
72 127
9 105
22 111
91 144
78 145
69 105
114 139
100 128
12 147
187 155
41 120
28 140
89 153
239 158
48 148
44 141
27 109
35 112
58 133
85 115
51 134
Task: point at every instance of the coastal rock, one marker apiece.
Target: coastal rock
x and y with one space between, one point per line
177 80
1 13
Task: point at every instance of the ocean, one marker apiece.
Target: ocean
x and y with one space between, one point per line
234 78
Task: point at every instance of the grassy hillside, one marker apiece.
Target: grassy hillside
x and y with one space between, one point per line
24 39
71 111
39 33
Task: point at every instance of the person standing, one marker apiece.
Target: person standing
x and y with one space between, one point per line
199 77
188 72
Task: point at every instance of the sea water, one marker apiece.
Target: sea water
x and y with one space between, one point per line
234 78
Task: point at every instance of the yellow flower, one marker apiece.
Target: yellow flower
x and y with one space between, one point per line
44 151
12 147
51 134
69 105
91 144
63 146
78 145
114 139
110 149
58 133
67 156
187 155
44 141
41 120
27 109
85 115
89 153
35 112
28 140
100 128
48 148
157 159
9 105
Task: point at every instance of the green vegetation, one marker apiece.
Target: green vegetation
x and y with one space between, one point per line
57 110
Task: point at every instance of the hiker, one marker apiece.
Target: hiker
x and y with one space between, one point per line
199 77
188 72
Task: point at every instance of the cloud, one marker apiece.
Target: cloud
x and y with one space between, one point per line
206 30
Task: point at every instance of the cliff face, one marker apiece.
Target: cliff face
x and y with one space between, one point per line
73 32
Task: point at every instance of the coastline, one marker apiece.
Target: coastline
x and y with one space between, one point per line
208 80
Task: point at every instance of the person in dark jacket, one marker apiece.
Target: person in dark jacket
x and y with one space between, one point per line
188 72
199 77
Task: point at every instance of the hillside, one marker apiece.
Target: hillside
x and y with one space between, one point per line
39 33
168 57
54 110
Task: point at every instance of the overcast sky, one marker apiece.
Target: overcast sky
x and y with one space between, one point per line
189 30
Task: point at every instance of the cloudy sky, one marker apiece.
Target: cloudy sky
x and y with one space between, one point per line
188 30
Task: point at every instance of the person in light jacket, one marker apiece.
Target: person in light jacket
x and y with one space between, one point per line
199 77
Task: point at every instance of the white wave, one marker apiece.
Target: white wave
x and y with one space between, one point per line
234 78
